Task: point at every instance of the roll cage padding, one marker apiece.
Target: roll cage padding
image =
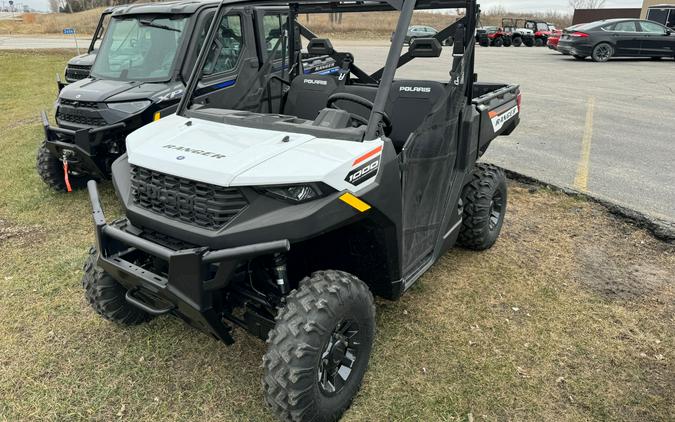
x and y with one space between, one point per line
410 101
441 36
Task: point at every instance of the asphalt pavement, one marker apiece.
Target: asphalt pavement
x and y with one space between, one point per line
52 41
604 128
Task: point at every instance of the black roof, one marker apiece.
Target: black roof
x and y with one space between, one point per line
305 6
169 7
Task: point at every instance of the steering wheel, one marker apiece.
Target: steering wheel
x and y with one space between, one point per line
344 96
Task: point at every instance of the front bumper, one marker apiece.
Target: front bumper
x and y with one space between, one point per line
188 289
77 146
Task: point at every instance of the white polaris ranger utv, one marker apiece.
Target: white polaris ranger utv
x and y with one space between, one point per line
286 217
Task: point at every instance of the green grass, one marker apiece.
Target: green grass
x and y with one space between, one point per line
569 317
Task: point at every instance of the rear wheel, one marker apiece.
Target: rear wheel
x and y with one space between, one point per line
107 296
517 42
50 170
508 42
319 348
529 42
484 43
602 52
484 201
539 42
498 42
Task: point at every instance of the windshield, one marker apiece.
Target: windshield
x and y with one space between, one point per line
139 48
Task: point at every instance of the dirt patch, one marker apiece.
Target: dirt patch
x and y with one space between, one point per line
22 235
620 277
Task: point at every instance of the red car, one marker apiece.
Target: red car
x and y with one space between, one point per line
553 40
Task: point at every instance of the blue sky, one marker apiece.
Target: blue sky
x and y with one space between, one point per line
515 5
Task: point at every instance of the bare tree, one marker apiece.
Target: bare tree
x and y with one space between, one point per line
587 4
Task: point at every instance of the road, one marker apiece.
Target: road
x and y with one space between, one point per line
49 41
607 129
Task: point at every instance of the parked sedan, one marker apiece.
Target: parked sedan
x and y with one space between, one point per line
603 40
420 31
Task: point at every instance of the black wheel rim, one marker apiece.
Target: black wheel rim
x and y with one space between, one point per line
339 357
603 52
496 210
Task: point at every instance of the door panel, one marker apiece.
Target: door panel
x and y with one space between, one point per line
231 64
655 41
626 38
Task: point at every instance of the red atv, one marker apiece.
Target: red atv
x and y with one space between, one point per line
492 36
542 30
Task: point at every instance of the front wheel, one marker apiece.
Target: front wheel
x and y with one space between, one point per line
602 52
498 42
529 42
539 42
319 348
107 297
50 170
484 200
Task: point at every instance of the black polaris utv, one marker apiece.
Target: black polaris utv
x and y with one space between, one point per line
79 66
285 217
139 75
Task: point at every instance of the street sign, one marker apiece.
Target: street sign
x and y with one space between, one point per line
71 31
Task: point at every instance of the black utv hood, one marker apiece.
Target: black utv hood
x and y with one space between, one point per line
107 90
83 60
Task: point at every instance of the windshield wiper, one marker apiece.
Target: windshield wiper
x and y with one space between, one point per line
157 25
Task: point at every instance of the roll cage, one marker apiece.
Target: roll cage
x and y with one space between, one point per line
463 32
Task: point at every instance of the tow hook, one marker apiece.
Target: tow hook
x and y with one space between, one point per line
280 272
64 160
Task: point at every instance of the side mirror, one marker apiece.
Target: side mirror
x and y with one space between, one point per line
425 47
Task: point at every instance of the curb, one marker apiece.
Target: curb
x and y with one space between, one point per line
659 228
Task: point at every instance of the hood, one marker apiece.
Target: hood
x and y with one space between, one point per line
108 90
83 60
205 151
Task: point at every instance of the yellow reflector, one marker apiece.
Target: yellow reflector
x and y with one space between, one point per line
157 116
355 202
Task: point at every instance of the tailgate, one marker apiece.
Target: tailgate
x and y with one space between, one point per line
499 109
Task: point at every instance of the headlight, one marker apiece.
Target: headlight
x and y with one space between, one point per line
130 107
298 193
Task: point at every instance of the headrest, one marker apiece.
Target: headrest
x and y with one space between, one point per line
320 47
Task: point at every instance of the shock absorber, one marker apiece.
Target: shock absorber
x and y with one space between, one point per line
280 272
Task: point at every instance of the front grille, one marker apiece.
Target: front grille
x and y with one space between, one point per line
80 120
76 72
196 203
77 103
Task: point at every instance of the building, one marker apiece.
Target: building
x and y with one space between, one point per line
647 3
592 15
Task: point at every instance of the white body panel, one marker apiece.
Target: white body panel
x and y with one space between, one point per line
228 155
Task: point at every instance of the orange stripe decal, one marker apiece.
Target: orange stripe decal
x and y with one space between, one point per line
367 156
493 114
